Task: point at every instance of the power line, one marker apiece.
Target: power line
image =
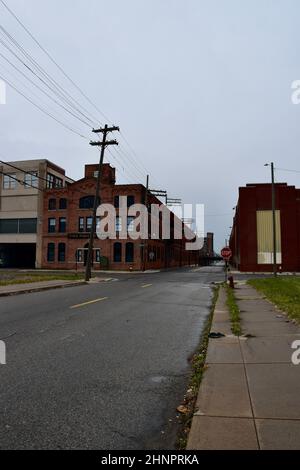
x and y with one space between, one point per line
53 60
42 109
285 169
66 76
34 94
57 90
43 91
20 182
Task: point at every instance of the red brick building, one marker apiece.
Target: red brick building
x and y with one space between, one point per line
67 221
252 237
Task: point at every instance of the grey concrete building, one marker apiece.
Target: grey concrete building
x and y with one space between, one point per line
22 185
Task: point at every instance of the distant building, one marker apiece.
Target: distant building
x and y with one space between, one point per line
252 232
22 186
207 250
67 222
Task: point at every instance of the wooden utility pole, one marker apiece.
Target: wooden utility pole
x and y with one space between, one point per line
105 143
146 240
274 221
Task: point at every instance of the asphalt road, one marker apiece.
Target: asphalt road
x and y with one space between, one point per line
102 366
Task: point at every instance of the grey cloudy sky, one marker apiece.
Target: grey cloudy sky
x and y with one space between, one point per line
201 90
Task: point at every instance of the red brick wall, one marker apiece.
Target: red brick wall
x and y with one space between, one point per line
244 234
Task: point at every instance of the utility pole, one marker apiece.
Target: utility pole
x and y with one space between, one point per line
105 143
146 240
274 221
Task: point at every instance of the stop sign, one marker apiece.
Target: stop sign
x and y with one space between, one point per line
226 253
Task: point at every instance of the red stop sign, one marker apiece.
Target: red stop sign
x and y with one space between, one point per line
226 253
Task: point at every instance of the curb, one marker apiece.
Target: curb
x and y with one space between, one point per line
40 289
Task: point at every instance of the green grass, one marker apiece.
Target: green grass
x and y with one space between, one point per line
234 312
284 292
40 278
198 368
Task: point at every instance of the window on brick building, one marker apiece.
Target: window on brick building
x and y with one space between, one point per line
89 223
62 203
81 227
117 202
97 256
51 252
130 224
117 252
130 201
86 202
118 224
52 204
129 253
62 224
79 256
51 225
61 252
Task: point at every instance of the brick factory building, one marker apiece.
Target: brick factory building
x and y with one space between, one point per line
67 222
252 233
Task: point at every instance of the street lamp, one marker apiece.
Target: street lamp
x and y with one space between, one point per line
274 219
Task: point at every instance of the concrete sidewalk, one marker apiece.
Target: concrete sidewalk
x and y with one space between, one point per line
250 394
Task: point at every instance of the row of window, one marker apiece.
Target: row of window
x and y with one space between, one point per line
86 202
85 224
61 252
62 225
62 204
54 181
80 255
31 179
11 181
15 226
129 252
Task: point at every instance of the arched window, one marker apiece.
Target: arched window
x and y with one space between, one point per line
51 252
52 204
117 252
61 252
86 202
129 252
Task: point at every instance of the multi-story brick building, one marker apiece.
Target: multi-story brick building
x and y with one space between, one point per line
68 221
252 232
22 185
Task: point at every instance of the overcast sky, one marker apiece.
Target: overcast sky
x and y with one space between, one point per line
201 90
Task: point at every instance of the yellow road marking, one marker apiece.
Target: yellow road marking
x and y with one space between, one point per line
146 285
89 303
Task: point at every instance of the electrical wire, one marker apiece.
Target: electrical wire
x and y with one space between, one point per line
20 182
53 86
137 160
43 91
42 109
54 61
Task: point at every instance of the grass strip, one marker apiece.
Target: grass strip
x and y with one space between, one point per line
234 312
284 292
40 278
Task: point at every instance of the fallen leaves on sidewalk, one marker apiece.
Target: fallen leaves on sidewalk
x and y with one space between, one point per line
182 409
